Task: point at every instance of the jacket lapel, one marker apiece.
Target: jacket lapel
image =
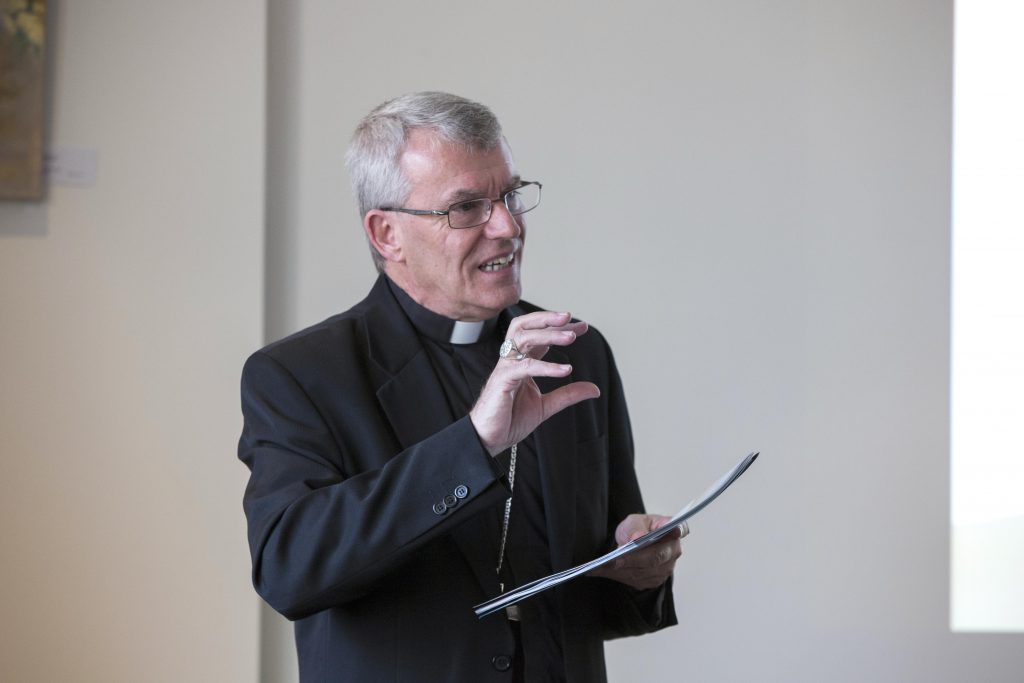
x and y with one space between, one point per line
413 399
409 391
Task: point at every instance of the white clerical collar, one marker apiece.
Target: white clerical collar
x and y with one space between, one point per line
465 332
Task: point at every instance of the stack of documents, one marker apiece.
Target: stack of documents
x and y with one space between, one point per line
693 507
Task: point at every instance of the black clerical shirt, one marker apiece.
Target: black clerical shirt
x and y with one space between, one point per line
462 369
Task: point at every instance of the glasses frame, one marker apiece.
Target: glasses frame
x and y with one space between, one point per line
503 198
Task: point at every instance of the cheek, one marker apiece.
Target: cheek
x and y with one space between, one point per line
463 253
442 256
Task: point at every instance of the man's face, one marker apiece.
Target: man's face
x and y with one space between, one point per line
466 274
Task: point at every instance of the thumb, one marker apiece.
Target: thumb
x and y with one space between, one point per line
632 527
563 397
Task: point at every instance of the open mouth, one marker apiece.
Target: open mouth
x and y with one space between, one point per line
498 263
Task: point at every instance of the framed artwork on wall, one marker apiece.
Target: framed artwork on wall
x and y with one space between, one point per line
22 33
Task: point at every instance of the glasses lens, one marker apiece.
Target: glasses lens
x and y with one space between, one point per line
468 214
523 199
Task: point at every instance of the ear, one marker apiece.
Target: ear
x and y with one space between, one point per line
383 235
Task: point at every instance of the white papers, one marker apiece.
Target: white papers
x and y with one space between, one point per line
691 508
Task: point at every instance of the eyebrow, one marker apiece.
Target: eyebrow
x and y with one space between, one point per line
466 195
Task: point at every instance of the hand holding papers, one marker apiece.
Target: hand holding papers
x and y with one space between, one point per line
649 567
679 520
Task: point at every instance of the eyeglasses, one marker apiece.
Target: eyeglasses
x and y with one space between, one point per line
473 212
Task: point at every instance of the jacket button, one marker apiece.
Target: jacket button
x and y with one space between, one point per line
502 662
461 491
440 508
450 500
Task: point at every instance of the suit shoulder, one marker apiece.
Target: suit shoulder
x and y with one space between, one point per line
330 337
327 333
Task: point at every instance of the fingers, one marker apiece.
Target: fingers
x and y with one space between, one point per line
533 333
650 567
535 343
636 525
540 320
664 552
508 376
646 568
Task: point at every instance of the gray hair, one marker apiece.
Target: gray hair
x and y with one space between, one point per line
373 157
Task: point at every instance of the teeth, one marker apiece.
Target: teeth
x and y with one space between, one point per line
498 263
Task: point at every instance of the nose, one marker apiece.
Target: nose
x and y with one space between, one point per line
502 224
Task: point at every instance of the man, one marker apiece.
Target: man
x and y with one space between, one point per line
427 449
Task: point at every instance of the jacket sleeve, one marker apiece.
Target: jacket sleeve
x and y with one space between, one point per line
319 538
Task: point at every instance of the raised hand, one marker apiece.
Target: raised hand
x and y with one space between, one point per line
511 405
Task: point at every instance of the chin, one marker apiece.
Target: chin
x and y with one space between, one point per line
494 306
511 296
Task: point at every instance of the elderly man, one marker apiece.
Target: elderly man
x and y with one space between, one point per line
443 441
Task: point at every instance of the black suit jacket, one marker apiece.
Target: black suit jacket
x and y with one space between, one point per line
351 445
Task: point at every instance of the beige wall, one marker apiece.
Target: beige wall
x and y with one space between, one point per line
126 309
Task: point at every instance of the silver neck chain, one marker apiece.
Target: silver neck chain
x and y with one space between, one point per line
508 506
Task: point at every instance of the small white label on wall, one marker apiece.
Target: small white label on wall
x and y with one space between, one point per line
71 166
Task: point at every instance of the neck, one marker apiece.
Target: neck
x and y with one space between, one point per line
398 277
